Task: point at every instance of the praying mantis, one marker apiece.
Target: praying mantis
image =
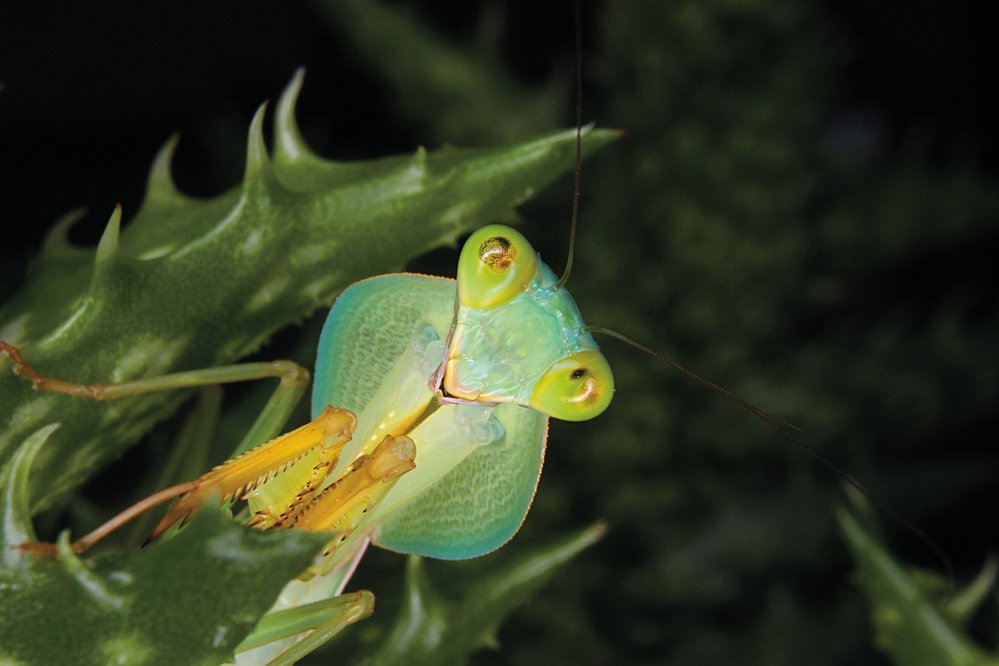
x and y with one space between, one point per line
461 375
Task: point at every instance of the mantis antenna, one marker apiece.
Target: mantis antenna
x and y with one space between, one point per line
577 172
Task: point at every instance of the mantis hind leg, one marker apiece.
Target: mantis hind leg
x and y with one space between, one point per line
293 380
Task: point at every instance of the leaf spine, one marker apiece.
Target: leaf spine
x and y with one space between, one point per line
107 248
257 159
160 186
289 146
57 239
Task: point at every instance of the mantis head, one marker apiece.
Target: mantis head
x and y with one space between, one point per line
518 337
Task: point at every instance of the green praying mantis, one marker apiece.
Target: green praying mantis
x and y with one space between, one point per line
430 402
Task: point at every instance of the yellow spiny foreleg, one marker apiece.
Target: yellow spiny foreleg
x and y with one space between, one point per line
341 506
328 433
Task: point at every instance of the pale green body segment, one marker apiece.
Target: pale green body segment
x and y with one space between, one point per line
476 467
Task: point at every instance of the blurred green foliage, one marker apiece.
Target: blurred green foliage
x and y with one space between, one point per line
918 617
772 219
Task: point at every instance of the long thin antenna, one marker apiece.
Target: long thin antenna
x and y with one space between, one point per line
790 432
577 173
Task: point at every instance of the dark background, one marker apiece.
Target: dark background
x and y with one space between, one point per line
804 209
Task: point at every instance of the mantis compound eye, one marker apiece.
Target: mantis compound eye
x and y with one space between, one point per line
496 265
576 388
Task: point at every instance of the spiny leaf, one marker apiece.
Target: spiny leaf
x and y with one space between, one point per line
195 283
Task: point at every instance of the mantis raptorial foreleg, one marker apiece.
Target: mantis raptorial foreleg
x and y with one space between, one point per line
233 479
326 436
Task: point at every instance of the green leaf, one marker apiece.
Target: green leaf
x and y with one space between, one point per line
188 600
194 283
435 629
909 626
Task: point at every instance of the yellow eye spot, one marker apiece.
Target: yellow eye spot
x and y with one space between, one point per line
497 253
496 265
576 388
